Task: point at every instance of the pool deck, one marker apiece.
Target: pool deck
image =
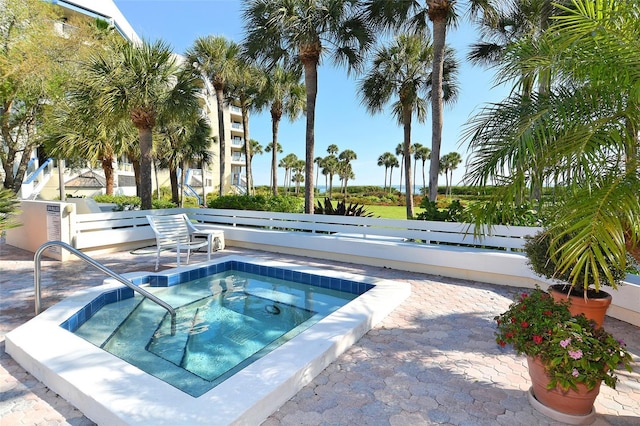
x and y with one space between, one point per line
432 361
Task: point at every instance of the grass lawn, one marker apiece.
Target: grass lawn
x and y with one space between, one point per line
391 212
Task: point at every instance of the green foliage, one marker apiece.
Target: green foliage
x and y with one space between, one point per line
543 259
341 209
122 202
280 203
165 203
8 208
499 213
572 349
453 213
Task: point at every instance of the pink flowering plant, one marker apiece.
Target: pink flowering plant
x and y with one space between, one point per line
572 349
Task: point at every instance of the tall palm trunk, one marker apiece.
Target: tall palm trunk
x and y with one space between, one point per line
310 62
275 123
107 168
406 120
247 150
221 139
146 158
438 16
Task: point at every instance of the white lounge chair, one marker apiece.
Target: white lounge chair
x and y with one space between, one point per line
176 232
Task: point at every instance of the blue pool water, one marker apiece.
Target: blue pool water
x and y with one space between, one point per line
225 321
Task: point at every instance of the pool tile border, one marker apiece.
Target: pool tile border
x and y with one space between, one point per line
178 277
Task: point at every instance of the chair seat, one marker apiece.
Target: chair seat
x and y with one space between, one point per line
177 232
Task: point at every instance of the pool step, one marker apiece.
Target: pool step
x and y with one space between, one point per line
103 323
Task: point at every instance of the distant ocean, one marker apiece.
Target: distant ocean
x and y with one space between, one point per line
323 188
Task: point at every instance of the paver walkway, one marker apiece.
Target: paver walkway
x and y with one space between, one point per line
432 361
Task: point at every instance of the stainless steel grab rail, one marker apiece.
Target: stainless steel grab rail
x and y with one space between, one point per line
90 261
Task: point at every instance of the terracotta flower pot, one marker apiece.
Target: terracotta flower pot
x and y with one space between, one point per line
594 308
575 403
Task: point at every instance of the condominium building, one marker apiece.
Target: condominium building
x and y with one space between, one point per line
198 180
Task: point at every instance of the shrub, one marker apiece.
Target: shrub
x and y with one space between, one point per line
122 202
280 203
453 213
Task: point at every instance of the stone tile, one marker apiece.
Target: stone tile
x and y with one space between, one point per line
426 363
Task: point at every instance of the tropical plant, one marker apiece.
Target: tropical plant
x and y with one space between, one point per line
287 163
273 175
218 60
256 149
245 88
544 261
140 83
185 142
75 131
330 166
583 131
402 70
386 160
346 171
284 94
422 153
342 209
301 32
572 349
8 208
413 17
449 163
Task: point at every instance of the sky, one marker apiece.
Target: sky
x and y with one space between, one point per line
341 119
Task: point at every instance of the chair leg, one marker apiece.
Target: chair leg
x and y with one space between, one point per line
158 259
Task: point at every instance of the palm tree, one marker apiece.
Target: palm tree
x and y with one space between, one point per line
417 155
217 58
345 172
273 179
585 126
513 23
386 160
318 162
414 16
141 83
72 133
402 70
448 163
288 163
333 149
346 157
425 154
297 175
256 149
184 142
299 32
245 87
400 152
393 162
330 165
284 94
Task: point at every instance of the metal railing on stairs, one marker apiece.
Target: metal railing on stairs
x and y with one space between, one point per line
37 274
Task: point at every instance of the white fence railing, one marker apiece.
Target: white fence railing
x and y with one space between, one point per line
490 255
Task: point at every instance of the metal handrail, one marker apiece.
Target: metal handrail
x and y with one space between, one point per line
120 278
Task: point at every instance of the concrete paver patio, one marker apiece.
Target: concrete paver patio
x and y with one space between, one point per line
432 361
